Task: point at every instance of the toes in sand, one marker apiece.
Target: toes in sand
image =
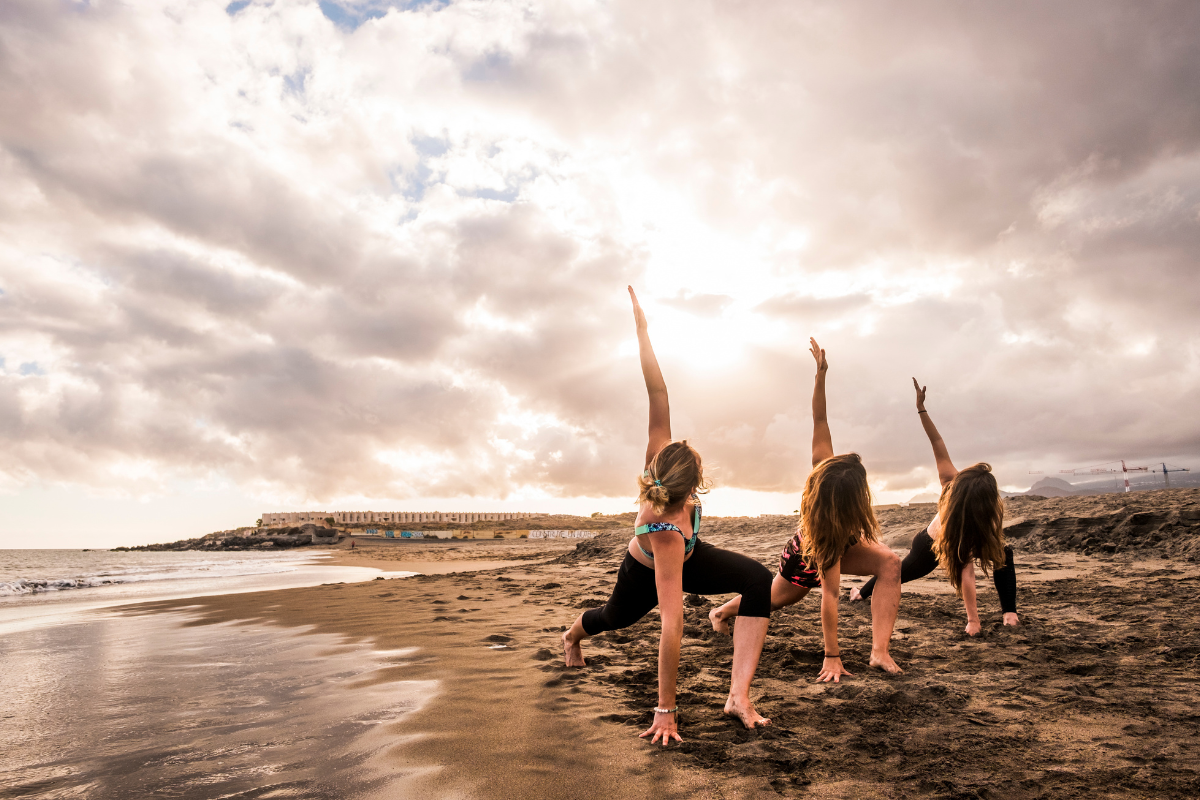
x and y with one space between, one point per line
745 712
884 662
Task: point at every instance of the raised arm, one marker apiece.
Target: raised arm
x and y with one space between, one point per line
822 444
945 468
656 387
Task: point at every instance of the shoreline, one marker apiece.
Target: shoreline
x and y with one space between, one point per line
1094 693
508 721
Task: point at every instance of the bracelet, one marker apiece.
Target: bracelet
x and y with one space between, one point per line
922 411
666 710
838 656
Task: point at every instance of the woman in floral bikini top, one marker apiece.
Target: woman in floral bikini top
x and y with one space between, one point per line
665 558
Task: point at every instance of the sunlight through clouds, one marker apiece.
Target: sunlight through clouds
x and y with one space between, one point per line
379 249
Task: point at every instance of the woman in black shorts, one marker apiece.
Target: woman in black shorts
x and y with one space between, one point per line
838 533
665 558
968 528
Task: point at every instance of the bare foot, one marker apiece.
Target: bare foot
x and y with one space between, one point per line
1010 618
719 623
855 594
884 662
573 652
744 711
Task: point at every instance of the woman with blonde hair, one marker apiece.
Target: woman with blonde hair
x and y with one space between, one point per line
838 534
967 529
665 558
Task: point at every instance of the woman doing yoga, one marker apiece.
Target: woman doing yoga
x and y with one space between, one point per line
968 528
665 559
838 533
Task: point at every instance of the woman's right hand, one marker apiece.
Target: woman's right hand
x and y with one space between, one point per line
920 395
818 354
832 669
639 318
664 726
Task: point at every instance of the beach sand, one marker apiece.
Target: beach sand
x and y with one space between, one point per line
1094 696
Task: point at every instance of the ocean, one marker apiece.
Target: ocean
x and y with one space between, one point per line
45 587
100 700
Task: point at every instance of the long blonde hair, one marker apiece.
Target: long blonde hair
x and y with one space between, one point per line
674 474
835 510
972 516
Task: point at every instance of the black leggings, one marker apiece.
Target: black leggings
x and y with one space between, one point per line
710 570
921 561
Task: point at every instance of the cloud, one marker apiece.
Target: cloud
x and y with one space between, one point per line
380 249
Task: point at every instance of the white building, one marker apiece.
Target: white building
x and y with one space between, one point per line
283 519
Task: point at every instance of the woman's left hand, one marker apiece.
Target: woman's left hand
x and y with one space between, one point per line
920 394
639 316
818 354
664 726
973 628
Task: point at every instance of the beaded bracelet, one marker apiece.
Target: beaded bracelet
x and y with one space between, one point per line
666 710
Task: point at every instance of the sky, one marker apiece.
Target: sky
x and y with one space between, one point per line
359 254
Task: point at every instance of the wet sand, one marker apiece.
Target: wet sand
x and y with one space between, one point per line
1094 696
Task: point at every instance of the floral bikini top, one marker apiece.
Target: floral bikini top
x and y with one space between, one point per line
668 526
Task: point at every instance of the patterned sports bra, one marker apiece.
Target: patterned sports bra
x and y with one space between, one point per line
688 545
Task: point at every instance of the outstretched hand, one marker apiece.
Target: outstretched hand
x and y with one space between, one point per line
639 318
818 354
920 395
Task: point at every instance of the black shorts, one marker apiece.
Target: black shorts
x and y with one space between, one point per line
794 569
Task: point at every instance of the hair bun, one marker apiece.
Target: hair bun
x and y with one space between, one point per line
658 495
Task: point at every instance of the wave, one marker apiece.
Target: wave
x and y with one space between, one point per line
21 586
111 574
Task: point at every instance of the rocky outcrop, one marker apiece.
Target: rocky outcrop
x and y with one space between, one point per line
260 539
1167 532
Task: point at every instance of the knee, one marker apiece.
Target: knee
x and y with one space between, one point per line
889 569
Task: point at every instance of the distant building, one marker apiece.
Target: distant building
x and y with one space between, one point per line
285 519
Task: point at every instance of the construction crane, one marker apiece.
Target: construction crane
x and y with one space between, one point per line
1166 473
1102 469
